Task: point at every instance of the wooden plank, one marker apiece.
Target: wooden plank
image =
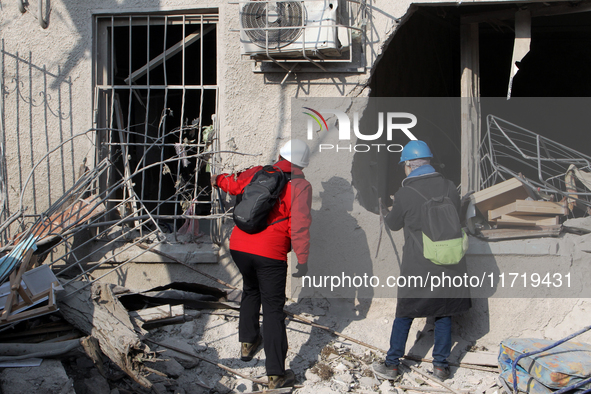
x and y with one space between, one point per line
30 313
470 108
10 300
537 232
499 195
524 207
527 220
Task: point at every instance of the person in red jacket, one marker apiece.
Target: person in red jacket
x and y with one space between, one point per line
262 259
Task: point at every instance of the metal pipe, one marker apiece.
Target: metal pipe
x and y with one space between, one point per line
42 22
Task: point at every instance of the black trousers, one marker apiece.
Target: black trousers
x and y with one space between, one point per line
263 282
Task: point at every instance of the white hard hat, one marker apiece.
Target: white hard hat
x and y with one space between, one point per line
296 152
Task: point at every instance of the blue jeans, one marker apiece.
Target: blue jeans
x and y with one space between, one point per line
441 348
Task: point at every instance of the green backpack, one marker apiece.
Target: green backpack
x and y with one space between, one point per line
444 240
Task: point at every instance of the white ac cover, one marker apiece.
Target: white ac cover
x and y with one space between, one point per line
288 28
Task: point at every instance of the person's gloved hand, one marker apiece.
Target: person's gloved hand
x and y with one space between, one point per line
302 269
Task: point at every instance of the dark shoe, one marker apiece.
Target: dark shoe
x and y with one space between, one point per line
279 381
441 373
248 350
384 371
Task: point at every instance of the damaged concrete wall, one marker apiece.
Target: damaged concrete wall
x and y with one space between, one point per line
255 115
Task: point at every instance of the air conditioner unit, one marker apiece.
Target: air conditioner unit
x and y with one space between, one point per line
291 28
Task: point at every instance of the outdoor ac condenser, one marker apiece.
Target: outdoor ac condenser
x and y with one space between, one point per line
291 28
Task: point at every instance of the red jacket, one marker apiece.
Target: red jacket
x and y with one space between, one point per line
294 203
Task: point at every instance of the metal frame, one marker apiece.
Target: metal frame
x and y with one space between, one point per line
506 144
108 108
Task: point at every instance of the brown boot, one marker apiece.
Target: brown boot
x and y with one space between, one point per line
248 350
279 381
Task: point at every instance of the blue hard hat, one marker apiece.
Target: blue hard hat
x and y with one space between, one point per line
415 150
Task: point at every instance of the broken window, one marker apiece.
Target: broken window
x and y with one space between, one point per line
156 99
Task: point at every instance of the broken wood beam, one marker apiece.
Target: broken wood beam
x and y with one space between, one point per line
95 311
524 207
512 220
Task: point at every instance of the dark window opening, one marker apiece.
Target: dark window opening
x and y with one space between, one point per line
157 98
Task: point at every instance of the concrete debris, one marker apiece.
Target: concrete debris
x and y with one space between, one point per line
169 366
96 383
49 377
186 361
243 386
342 366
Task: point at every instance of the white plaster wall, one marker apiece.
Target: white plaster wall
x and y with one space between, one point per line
254 117
254 108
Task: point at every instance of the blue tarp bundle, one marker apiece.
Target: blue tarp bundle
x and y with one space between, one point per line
561 367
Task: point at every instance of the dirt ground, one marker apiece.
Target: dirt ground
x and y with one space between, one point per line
322 362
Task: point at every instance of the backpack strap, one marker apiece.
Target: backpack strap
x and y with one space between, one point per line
289 177
426 199
419 193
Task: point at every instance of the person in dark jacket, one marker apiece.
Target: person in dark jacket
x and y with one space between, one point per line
262 259
440 304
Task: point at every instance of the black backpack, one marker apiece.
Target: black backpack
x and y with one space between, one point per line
260 195
444 241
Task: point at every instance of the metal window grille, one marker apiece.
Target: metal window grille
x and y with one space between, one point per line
156 99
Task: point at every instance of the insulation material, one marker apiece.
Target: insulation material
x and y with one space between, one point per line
522 43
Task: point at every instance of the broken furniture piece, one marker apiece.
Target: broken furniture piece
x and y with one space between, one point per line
510 210
21 296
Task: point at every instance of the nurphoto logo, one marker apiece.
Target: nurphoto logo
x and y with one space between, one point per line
394 121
